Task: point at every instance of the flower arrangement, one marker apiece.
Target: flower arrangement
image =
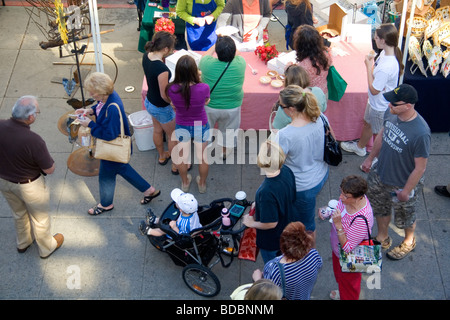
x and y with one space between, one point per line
165 24
266 52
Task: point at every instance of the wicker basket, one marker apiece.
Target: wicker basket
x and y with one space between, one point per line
418 27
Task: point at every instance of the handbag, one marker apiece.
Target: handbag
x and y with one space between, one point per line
117 150
366 257
336 84
247 247
332 153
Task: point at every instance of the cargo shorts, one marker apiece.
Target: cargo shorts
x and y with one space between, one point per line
382 201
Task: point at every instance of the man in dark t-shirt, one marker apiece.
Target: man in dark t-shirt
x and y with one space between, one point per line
24 159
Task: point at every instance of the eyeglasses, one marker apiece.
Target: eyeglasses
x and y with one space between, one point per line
398 104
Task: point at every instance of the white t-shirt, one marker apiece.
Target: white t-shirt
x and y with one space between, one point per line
385 74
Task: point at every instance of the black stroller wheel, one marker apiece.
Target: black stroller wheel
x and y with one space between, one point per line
201 280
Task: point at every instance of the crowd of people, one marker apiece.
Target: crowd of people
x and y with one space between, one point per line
200 97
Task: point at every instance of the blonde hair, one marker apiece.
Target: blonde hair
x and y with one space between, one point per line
270 157
99 83
264 289
303 100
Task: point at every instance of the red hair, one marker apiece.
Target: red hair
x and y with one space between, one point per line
295 241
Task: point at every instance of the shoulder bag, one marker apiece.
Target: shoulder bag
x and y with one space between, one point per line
366 257
332 153
117 150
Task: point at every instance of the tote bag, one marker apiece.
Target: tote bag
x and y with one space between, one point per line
366 257
117 150
336 84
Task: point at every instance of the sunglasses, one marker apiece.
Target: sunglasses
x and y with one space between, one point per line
282 106
398 104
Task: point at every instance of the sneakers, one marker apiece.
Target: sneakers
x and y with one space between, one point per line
148 223
151 218
352 146
143 228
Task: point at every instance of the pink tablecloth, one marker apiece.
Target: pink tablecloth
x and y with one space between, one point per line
346 116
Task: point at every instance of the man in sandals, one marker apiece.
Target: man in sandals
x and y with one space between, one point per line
24 160
402 149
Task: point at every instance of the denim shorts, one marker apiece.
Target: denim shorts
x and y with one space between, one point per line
161 114
185 133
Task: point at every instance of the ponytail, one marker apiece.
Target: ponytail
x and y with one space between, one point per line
303 100
399 56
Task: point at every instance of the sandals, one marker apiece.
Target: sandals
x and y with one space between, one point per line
96 210
386 243
149 198
401 251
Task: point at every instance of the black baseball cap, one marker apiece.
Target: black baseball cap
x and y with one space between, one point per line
403 92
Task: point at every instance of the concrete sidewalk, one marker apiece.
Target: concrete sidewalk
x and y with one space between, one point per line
111 258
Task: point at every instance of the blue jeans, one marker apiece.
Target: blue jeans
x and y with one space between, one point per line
107 180
305 204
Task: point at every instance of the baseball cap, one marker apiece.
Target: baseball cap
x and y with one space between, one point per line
185 201
403 92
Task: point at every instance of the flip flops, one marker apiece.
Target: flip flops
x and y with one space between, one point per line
149 198
163 161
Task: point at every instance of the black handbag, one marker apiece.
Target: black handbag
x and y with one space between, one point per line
332 152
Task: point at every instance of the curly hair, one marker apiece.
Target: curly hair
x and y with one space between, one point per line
308 43
295 241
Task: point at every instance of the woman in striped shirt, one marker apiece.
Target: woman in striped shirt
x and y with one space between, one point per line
352 202
296 270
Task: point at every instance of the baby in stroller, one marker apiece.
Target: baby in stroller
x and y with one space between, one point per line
187 221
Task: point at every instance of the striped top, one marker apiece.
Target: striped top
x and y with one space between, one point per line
188 223
355 233
300 276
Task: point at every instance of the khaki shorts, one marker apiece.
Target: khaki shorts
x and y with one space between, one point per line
374 118
382 203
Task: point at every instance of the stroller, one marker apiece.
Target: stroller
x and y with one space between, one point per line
195 251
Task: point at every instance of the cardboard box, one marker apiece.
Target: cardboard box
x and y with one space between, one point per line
335 19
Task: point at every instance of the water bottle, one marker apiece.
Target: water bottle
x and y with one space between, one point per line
226 222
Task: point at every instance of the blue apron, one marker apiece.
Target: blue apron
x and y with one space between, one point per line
201 38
